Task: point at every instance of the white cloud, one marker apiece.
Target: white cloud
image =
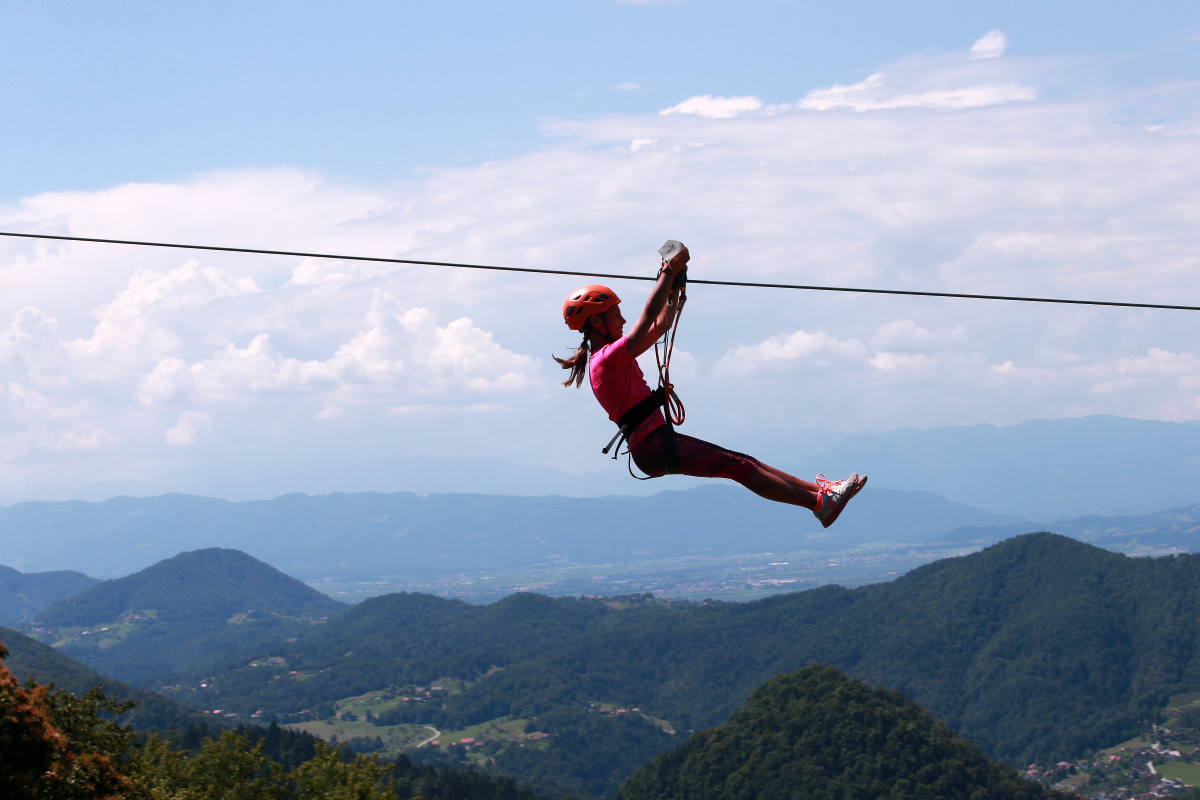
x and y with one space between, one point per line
798 349
396 353
947 82
185 431
627 86
906 335
875 94
991 45
706 105
444 410
1062 194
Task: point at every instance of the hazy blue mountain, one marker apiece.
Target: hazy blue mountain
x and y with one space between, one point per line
375 535
30 659
1042 469
190 609
1176 529
23 596
820 735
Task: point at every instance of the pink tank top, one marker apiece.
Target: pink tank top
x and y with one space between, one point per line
619 384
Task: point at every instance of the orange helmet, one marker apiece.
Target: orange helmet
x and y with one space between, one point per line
587 301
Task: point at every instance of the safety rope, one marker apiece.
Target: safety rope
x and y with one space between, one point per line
672 405
750 284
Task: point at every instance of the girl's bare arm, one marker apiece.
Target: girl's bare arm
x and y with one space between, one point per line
658 314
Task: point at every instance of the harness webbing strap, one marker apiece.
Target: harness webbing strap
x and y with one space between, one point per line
635 416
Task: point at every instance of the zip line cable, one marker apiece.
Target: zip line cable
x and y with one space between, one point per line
692 281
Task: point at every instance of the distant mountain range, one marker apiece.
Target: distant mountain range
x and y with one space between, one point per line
369 536
22 595
925 486
1044 470
1174 530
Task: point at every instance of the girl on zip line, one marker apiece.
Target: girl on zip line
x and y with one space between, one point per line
607 355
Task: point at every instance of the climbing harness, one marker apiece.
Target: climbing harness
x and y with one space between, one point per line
665 396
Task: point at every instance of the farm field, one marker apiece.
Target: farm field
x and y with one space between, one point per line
350 721
395 738
499 728
1180 771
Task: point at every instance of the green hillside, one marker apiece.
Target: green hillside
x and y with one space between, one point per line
192 609
820 735
30 659
1037 647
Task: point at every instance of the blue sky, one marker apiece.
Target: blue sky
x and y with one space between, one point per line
105 93
1009 148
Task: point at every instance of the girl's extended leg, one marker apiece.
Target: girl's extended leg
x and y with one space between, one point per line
702 459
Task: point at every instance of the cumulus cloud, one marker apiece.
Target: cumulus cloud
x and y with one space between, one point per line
1059 194
184 432
906 335
991 45
396 352
706 105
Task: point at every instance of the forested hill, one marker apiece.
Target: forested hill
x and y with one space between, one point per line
194 608
210 584
820 735
29 659
1039 645
24 595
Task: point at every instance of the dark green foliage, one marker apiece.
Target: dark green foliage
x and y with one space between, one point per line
1035 649
818 735
24 596
411 638
586 749
285 747
454 783
284 765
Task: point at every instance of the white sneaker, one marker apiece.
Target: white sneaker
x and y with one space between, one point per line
832 496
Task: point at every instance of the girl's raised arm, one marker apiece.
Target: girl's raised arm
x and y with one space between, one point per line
658 314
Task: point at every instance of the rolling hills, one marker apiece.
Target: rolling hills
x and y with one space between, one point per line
1040 645
193 608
